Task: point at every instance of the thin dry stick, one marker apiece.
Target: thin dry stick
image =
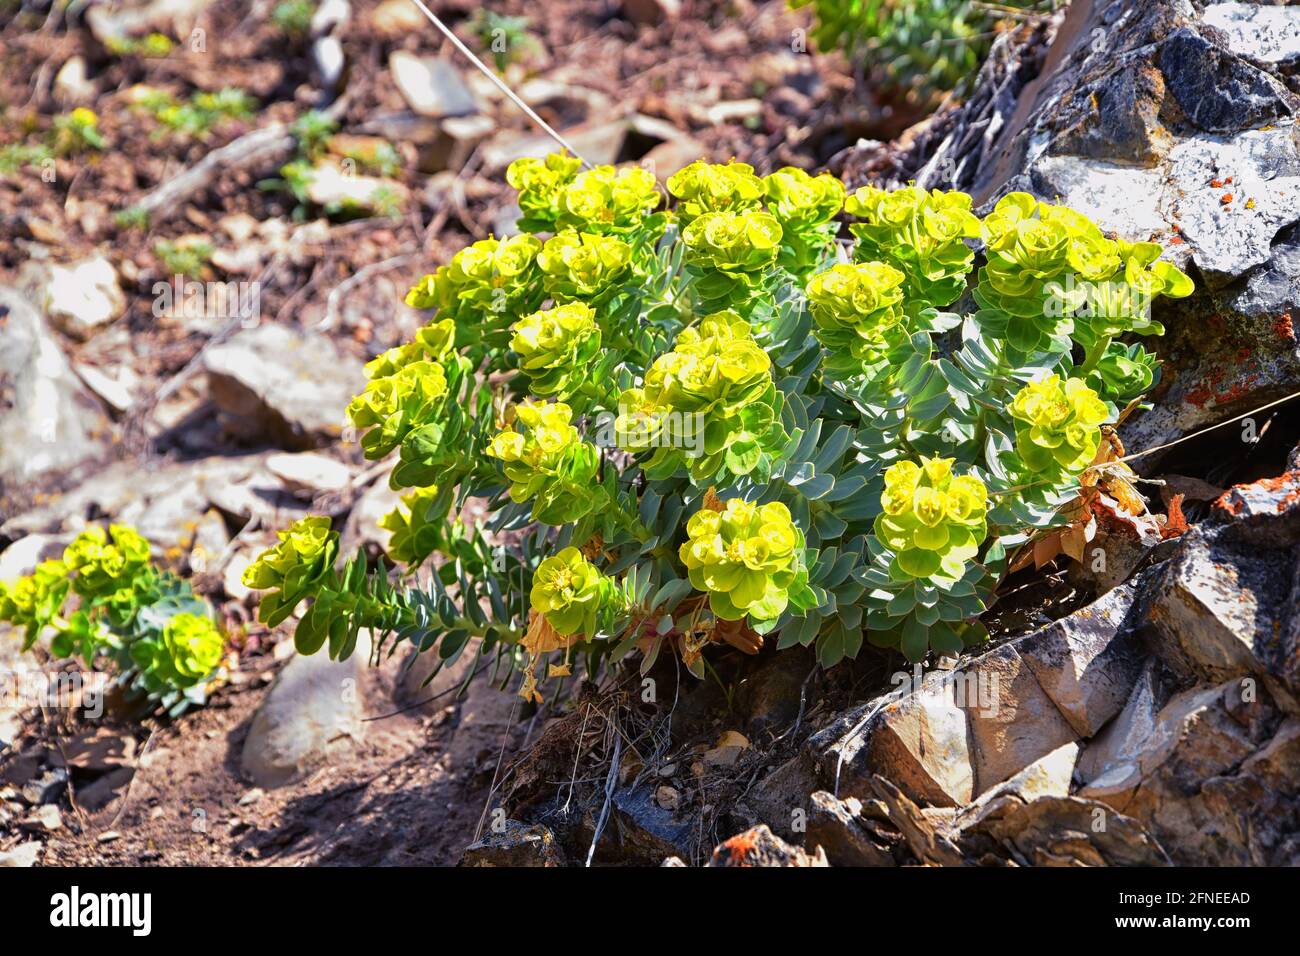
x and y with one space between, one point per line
610 780
505 739
500 83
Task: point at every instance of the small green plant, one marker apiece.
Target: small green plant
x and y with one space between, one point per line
105 598
132 217
724 421
184 258
152 46
78 132
198 116
507 38
922 48
16 156
293 17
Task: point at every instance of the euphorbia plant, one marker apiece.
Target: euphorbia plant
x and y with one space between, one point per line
105 598
723 421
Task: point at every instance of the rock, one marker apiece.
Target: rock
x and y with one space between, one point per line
727 750
106 789
167 503
518 844
837 828
769 696
362 527
21 557
275 384
1263 34
1048 776
652 12
1226 607
645 831
1217 782
71 88
310 717
23 855
1062 831
310 472
396 19
328 62
337 190
431 86
46 788
1017 724
329 16
48 418
116 392
1086 663
1123 738
599 143
81 297
759 846
173 17
456 139
782 797
919 741
49 818
731 111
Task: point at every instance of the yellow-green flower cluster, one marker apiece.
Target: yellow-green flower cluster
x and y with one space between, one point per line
304 555
584 266
433 342
540 183
420 529
490 277
549 464
193 645
606 199
806 207
105 563
736 243
572 594
798 199
922 233
933 520
706 187
390 407
744 557
858 307
1058 424
31 601
555 347
717 379
1036 252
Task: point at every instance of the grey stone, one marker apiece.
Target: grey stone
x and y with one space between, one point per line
272 383
48 418
518 844
431 86
310 717
838 828
1087 662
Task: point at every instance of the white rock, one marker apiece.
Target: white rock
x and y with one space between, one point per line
70 84
1266 33
115 391
47 417
309 471
431 86
333 188
83 296
310 717
24 854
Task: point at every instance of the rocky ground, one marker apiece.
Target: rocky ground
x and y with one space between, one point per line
1143 710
